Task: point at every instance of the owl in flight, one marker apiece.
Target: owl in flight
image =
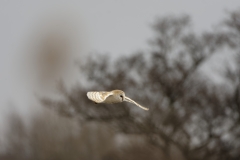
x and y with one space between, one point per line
115 96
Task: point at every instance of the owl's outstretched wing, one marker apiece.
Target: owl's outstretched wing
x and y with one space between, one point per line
98 97
132 101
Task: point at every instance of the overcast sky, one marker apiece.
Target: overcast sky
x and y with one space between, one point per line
110 26
116 26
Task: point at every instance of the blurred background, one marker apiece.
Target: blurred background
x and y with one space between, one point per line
180 59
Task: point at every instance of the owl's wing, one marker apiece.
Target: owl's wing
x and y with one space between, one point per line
132 101
98 97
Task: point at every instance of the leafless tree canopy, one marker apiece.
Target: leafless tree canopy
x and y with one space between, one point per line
190 116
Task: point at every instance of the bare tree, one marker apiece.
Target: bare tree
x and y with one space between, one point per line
190 117
187 111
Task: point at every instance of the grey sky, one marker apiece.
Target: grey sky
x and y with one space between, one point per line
112 26
116 26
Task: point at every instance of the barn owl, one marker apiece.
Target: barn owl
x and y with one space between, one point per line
115 96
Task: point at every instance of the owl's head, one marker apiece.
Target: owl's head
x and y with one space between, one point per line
119 94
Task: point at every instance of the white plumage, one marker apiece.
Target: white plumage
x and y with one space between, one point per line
115 96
